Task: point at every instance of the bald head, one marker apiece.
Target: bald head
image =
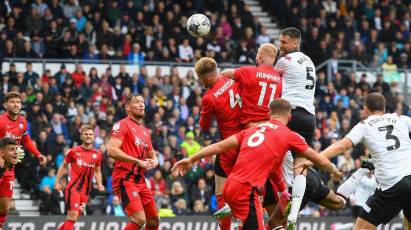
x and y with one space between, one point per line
266 54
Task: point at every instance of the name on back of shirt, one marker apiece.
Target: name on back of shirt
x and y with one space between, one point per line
268 76
377 120
223 88
302 59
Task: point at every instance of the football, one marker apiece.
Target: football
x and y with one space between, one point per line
198 25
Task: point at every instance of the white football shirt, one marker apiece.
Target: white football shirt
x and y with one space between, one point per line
299 78
387 138
364 190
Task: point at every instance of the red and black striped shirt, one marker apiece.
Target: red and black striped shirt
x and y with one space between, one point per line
82 161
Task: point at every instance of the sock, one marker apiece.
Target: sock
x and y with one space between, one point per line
297 197
69 225
350 185
225 224
2 220
132 226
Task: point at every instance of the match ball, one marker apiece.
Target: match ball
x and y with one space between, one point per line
198 25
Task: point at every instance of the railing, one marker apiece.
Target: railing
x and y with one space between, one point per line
330 67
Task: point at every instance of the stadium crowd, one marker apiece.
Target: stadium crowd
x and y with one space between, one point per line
57 104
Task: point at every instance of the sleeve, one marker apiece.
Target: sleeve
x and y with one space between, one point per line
297 143
119 130
407 121
150 143
242 74
207 109
28 144
26 132
240 137
69 156
356 134
281 65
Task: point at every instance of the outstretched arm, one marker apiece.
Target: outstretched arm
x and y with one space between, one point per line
182 166
60 173
97 175
338 147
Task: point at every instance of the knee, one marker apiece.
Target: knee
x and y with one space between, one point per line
139 220
153 222
72 215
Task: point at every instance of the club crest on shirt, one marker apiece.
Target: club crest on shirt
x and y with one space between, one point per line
94 156
21 126
116 126
135 194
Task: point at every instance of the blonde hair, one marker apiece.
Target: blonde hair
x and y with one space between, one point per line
86 127
205 66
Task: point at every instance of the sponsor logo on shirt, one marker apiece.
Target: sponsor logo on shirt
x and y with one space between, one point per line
12 136
81 163
21 125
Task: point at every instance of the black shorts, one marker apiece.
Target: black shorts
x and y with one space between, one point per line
356 210
218 170
269 196
303 123
315 190
383 206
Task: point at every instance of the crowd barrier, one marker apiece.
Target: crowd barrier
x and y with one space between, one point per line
175 223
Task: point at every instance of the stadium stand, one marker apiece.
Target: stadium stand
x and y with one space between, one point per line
58 101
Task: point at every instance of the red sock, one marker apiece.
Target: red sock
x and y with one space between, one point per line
2 220
132 226
225 224
69 225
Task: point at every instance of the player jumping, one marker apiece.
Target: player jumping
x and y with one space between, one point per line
222 100
130 145
85 162
257 158
14 126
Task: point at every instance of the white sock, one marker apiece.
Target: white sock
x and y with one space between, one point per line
351 184
297 197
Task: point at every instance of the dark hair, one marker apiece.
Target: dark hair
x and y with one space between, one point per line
12 95
375 102
6 141
280 106
292 32
131 96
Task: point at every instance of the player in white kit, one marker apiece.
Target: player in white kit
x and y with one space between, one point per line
387 138
299 76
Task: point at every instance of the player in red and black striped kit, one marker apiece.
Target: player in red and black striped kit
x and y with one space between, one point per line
8 158
130 145
14 126
222 101
85 163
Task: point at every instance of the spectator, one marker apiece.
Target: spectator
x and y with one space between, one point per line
115 209
201 193
190 145
136 55
199 208
180 208
177 192
185 51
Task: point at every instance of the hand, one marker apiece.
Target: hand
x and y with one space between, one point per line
284 198
145 164
1 162
336 175
42 160
57 186
101 188
20 154
304 165
182 166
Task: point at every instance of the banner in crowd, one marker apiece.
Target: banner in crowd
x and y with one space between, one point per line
175 223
